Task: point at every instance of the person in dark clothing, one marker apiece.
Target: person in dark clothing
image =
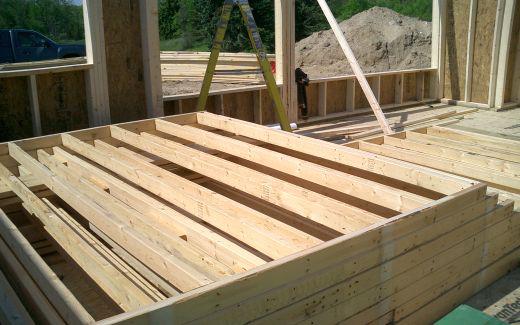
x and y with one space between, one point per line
302 81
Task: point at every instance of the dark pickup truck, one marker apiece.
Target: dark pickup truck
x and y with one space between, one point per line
20 45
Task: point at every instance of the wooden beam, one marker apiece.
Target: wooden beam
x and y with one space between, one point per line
495 178
110 280
495 52
171 268
439 45
409 173
285 39
35 300
96 78
503 56
355 67
34 105
456 154
349 184
12 311
271 281
136 264
470 49
200 263
273 238
460 145
314 206
207 240
149 19
512 146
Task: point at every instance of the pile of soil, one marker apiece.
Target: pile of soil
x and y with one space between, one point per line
381 39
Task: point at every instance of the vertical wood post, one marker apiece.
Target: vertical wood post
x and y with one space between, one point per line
149 14
470 50
96 78
285 55
34 105
496 52
503 54
438 45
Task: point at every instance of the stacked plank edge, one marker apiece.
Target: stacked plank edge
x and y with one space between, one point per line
207 219
231 67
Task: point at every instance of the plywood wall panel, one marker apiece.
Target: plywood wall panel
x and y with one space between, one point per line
410 87
482 52
268 113
124 60
336 96
513 69
15 116
457 21
360 100
239 106
63 101
313 99
387 92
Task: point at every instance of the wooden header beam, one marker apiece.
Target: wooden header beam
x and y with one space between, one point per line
372 100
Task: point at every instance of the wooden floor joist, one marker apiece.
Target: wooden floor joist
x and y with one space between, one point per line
493 160
207 219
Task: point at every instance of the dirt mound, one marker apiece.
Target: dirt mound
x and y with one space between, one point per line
381 39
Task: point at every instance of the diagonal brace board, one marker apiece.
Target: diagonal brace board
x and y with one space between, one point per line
356 68
256 43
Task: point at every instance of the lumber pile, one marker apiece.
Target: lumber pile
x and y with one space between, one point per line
236 222
489 159
231 67
363 130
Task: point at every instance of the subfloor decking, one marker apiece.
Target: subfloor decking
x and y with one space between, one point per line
203 217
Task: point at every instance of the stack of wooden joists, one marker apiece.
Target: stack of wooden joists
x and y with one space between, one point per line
231 67
235 222
366 127
489 159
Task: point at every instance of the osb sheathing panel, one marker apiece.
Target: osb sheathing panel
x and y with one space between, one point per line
336 96
312 99
15 114
63 101
189 105
482 51
240 106
513 69
268 114
457 20
427 88
124 60
360 100
170 107
410 87
387 90
211 104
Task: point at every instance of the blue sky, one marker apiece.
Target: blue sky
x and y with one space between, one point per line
78 2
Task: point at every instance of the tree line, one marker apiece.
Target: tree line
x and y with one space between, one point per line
60 20
191 24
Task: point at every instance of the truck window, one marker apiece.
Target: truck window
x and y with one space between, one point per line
28 39
6 54
4 39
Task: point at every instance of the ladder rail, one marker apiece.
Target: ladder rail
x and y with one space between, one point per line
256 43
